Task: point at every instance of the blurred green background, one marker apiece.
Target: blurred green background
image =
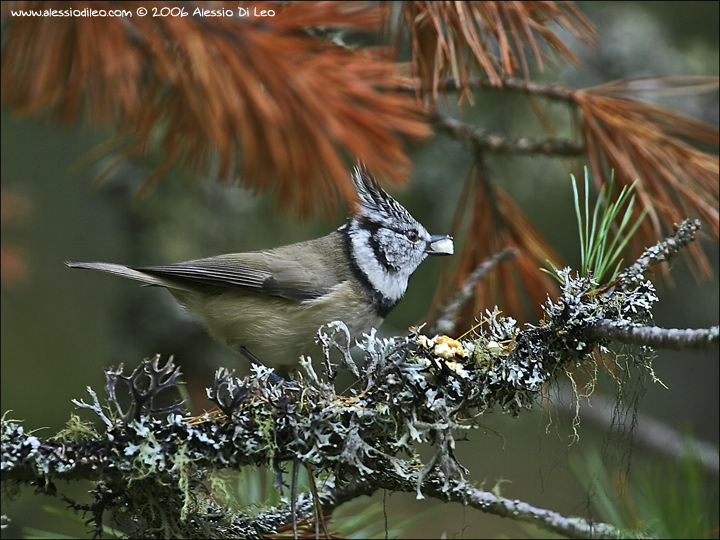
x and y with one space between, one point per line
61 326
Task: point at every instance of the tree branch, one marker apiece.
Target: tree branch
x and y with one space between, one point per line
489 503
555 92
653 336
663 251
465 132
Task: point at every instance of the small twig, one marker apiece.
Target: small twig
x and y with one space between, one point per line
664 250
570 527
293 496
317 505
466 132
554 92
446 321
489 503
653 336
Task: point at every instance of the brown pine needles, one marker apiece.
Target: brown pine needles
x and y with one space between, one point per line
641 141
279 103
256 98
453 39
495 222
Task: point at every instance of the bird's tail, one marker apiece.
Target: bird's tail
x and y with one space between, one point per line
122 270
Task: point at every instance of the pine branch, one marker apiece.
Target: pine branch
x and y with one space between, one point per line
660 149
639 149
269 521
554 92
465 132
653 336
259 99
456 39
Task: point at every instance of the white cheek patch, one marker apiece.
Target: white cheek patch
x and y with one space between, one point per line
391 286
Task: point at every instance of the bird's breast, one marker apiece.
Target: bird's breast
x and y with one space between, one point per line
278 330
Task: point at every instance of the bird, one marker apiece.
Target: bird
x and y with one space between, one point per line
268 305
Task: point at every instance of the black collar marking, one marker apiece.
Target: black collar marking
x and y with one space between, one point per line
381 303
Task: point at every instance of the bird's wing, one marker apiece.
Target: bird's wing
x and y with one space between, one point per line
265 273
275 272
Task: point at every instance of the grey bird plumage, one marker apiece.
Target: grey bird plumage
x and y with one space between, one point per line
271 303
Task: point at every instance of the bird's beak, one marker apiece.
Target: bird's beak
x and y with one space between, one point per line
440 245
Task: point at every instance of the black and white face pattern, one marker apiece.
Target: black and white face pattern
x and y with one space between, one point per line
386 244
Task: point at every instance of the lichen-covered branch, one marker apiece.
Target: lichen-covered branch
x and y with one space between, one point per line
151 463
683 234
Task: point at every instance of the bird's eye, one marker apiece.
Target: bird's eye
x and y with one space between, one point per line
412 235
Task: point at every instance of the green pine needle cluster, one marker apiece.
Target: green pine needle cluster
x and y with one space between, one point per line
604 236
